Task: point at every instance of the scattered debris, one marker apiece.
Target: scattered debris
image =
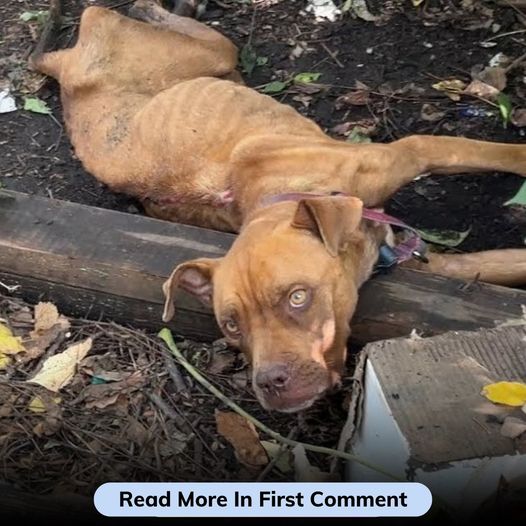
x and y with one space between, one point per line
518 117
40 16
323 10
280 455
7 101
446 238
431 113
36 105
101 395
304 471
360 96
359 8
513 427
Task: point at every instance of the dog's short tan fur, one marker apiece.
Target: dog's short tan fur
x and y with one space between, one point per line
152 113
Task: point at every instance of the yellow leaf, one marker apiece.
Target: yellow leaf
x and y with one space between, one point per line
4 361
416 3
37 405
507 393
59 369
9 344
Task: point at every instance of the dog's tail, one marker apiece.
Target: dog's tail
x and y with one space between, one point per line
39 60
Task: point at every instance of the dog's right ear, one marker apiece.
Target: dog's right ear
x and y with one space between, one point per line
193 276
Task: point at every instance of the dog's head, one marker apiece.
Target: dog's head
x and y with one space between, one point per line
285 293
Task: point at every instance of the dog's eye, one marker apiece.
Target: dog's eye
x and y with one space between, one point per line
231 327
298 298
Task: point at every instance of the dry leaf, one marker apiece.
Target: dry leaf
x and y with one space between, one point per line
58 370
243 436
507 393
37 405
478 88
452 88
358 97
518 117
305 472
494 76
46 317
49 325
221 362
431 113
513 427
284 461
9 344
101 396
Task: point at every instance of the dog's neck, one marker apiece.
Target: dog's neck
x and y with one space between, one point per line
359 258
286 164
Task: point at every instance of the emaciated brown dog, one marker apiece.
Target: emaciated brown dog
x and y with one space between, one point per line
156 110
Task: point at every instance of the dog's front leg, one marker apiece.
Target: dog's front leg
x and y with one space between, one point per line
397 164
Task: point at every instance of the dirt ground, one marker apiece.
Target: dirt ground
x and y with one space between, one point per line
398 57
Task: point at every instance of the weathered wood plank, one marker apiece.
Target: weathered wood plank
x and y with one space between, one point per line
105 264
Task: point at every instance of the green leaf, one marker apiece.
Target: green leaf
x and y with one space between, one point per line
307 78
36 105
357 137
446 238
248 59
261 61
519 198
505 108
276 86
35 16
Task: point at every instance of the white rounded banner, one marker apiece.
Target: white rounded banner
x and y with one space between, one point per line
245 499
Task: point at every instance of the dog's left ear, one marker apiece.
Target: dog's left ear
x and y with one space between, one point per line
332 218
193 276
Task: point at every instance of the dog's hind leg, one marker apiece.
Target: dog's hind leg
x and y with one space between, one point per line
180 20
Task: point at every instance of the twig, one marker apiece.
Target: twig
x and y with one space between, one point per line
52 26
515 63
169 412
283 448
9 288
332 55
176 376
166 336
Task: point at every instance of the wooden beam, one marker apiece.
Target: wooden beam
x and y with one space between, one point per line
104 264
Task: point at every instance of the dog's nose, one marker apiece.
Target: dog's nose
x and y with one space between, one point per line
273 377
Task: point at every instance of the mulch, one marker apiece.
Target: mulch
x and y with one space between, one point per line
131 413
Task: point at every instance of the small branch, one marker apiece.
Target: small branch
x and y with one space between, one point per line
281 451
332 54
515 63
52 26
166 336
9 288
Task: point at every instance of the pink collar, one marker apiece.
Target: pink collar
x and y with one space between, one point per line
412 247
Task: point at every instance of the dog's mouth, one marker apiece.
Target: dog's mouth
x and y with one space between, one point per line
291 400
